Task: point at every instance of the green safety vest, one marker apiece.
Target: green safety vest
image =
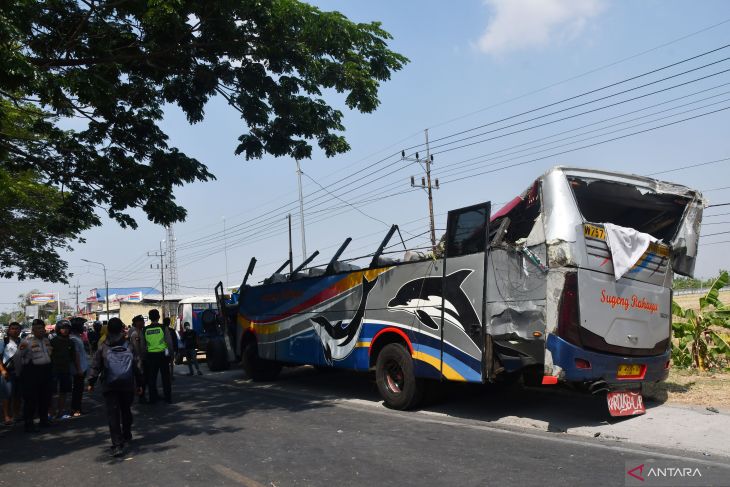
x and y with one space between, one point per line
154 336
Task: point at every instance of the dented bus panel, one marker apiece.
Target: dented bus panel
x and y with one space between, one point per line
531 290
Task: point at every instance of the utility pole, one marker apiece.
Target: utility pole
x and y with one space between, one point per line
106 284
160 266
76 293
291 254
301 212
225 247
425 184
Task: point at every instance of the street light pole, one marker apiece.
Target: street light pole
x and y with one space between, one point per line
106 284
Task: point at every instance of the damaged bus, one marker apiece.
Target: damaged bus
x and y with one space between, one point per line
569 282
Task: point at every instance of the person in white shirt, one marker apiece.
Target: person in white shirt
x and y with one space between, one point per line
33 362
9 385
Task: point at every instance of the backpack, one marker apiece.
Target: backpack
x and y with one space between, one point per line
119 373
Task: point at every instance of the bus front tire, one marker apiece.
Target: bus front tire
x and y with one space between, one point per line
256 368
396 378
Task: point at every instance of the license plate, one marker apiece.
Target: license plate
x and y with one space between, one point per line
629 370
625 403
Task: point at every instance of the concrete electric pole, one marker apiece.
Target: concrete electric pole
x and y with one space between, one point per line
425 184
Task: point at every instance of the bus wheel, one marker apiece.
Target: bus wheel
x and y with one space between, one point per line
256 368
396 379
216 354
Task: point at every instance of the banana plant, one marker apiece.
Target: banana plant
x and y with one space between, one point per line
698 342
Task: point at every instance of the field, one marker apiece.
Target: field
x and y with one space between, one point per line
693 387
693 300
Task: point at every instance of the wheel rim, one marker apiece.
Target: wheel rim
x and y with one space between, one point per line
394 377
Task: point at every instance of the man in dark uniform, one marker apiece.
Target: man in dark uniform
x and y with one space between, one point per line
157 353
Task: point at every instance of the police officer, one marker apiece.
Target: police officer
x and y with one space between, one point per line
33 360
157 354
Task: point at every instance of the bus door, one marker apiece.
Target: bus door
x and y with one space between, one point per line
463 323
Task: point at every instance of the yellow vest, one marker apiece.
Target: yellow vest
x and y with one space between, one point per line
154 336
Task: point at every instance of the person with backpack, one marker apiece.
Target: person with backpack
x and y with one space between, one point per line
157 346
117 363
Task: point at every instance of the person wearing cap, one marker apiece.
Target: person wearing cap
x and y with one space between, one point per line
63 357
33 363
135 337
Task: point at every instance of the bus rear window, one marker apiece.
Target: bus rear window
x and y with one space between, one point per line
627 205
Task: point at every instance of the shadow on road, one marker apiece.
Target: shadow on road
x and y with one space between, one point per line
199 406
558 407
204 404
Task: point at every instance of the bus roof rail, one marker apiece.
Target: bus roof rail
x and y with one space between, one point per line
331 265
281 268
249 271
303 264
385 241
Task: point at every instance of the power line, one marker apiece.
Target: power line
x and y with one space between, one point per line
585 146
461 168
713 234
348 204
595 70
611 85
582 113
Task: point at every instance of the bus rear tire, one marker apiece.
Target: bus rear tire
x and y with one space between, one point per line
396 378
256 368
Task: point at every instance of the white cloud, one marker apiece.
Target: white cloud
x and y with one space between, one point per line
522 24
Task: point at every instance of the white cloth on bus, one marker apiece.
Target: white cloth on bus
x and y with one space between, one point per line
627 246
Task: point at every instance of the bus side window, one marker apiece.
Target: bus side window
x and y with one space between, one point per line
466 230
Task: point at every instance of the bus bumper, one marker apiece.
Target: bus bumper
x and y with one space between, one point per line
573 361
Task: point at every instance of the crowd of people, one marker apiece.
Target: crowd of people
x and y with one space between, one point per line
41 370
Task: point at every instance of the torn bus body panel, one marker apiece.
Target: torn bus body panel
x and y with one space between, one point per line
584 309
684 245
516 306
669 212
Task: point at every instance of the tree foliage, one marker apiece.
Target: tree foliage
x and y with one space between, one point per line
698 341
108 68
681 282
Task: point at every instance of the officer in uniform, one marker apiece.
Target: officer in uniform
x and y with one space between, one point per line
157 354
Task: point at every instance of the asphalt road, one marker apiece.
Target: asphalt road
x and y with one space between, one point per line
330 429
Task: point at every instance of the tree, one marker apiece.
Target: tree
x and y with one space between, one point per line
698 342
113 65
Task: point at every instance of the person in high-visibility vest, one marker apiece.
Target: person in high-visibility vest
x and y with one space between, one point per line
157 354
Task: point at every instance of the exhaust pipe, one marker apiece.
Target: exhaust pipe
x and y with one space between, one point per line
598 386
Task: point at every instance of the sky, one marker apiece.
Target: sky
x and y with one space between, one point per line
472 64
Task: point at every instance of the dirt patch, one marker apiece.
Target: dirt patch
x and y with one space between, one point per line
692 387
693 300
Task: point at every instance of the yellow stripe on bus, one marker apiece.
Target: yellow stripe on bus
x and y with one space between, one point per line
448 371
